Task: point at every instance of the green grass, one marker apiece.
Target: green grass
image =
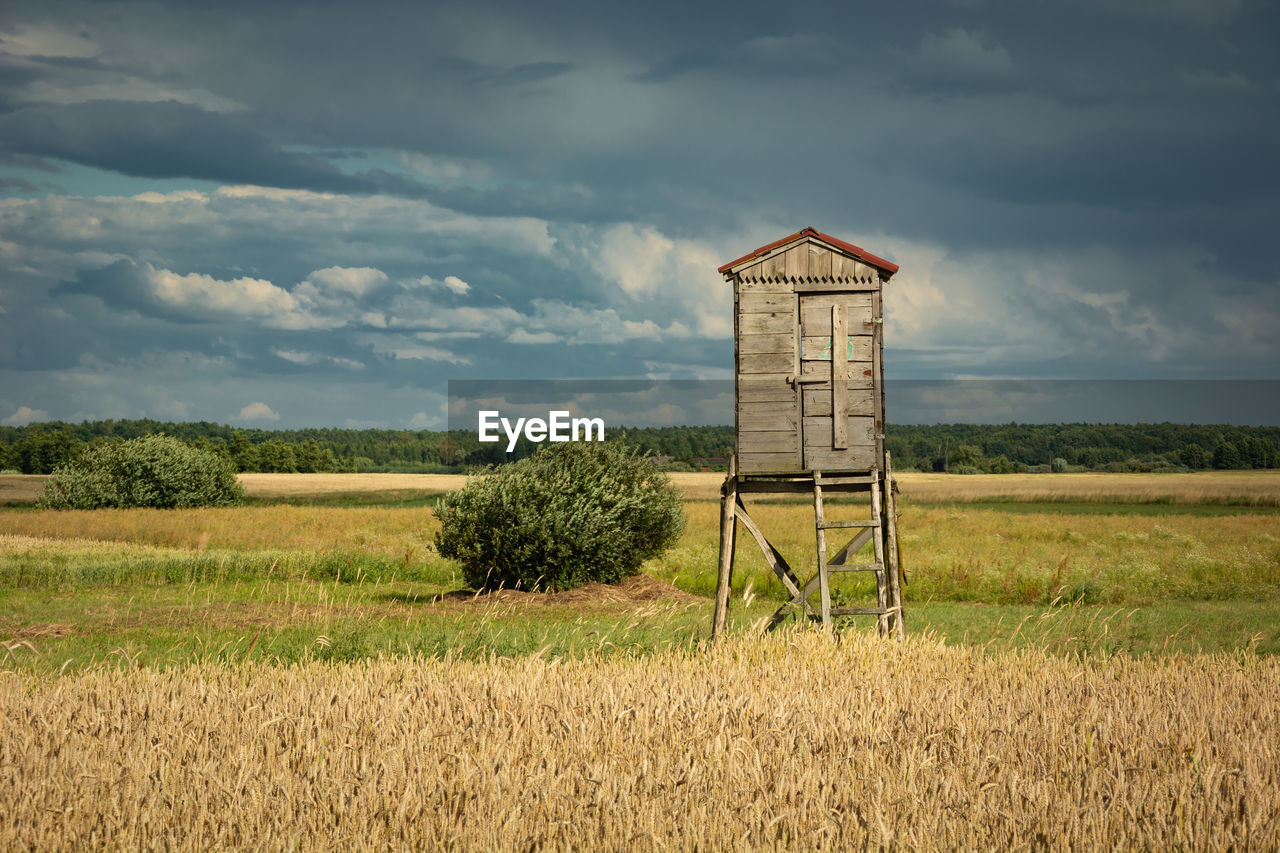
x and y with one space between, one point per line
79 564
291 621
275 581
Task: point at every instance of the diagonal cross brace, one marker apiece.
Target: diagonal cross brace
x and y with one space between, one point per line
771 555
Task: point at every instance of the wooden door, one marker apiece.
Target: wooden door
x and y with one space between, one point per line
767 355
839 398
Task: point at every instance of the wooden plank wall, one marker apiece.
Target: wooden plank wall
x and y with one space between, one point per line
768 421
783 427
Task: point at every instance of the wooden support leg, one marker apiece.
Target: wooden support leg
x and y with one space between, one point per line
824 577
728 535
891 545
882 574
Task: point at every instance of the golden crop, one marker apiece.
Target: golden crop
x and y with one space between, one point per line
789 741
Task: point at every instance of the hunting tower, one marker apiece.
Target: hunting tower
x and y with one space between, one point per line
809 394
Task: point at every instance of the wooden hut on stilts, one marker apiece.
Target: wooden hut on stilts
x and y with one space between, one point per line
809 395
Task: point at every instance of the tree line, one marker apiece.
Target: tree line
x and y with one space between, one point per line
956 448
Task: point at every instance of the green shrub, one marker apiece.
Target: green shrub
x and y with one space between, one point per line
1059 465
569 514
154 471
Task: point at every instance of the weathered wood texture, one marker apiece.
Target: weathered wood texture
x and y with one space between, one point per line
766 462
858 431
728 541
808 261
840 357
772 443
765 303
807 361
810 401
768 323
859 399
891 546
859 458
858 370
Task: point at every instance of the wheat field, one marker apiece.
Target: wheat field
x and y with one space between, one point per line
1259 488
790 741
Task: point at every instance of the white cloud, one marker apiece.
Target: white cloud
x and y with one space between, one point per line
422 420
524 336
325 299
290 211
25 415
671 370
252 191
634 257
169 198
647 265
48 41
356 281
451 283
966 313
444 168
316 358
402 347
572 324
258 412
203 296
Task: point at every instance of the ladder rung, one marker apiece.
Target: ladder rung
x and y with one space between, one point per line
858 611
827 525
855 567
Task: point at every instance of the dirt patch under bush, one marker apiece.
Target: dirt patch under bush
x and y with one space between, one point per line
637 589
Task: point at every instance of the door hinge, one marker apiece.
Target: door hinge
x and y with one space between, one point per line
875 320
879 435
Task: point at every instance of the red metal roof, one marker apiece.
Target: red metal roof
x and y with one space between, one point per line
860 254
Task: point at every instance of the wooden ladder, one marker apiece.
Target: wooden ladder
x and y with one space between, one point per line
888 609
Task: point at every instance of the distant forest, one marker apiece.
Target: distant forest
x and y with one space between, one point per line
956 448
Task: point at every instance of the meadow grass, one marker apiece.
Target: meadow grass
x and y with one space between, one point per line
1085 577
963 553
984 553
299 621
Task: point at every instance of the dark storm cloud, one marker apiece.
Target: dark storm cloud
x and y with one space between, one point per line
9 184
1143 169
547 190
127 285
166 140
530 72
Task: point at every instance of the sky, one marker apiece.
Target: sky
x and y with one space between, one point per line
317 214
